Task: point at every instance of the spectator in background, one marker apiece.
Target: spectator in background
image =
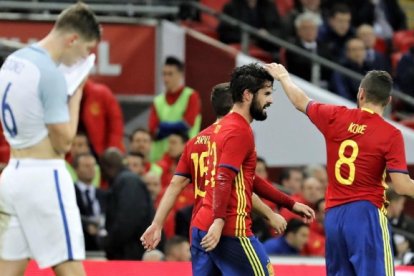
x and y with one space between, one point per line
336 30
404 78
319 172
311 192
375 59
397 218
176 144
291 179
80 146
316 243
385 15
153 256
101 118
153 182
261 14
140 141
306 25
356 61
129 209
292 242
302 6
91 201
135 163
176 110
177 249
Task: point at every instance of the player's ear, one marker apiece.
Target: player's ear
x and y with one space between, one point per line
247 95
361 94
72 38
389 100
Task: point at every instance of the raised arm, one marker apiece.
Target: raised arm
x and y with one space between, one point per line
296 95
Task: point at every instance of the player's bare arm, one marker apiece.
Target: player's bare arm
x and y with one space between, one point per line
152 236
275 220
296 95
402 184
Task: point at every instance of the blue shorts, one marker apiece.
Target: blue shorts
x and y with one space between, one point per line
232 256
358 241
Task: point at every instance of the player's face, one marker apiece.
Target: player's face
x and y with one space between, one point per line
261 100
77 50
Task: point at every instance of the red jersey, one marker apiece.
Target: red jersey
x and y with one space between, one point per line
232 146
360 147
193 164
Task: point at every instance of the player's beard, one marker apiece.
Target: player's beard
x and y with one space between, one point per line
258 113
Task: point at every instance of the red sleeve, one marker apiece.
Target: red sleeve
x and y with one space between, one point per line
222 191
183 167
115 121
321 115
266 190
395 156
153 121
193 108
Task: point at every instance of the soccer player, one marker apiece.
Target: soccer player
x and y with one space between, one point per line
361 146
230 183
38 212
192 168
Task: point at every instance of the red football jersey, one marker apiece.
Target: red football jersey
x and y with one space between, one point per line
361 146
231 146
193 164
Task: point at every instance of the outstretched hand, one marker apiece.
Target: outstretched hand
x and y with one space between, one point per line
304 211
151 237
277 71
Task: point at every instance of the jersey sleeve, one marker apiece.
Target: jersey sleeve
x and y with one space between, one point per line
395 156
184 166
235 147
321 115
53 95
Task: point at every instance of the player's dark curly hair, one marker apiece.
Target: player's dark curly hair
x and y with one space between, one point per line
377 86
252 77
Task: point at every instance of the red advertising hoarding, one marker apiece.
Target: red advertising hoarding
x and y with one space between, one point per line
125 56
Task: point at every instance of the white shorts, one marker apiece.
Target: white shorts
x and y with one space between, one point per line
39 217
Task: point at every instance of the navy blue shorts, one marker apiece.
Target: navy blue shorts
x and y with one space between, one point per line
232 256
358 241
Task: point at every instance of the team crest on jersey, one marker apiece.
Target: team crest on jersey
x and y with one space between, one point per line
95 109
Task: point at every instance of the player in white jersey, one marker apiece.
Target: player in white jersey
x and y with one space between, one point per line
39 217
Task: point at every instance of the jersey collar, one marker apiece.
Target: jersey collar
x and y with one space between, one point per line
368 110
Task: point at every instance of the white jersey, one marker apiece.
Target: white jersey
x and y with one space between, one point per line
33 93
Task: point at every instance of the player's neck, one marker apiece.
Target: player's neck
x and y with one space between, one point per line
244 111
53 46
372 108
